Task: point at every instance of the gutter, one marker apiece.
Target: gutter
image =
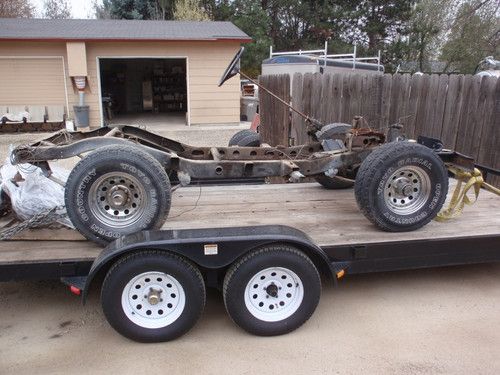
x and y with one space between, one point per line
240 40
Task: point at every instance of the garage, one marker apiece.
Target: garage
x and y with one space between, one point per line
156 74
23 84
143 90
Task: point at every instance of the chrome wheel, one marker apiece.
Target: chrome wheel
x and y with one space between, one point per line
274 294
407 190
153 300
117 200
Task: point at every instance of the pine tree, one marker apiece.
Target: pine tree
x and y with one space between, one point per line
135 9
189 10
57 9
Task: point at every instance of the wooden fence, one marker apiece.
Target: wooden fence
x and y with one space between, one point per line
461 110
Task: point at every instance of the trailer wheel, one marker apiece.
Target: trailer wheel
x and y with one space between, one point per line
245 138
401 186
153 296
116 191
272 291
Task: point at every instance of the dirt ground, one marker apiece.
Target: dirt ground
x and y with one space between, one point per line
437 321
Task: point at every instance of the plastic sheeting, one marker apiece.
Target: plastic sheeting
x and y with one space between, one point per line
17 117
31 192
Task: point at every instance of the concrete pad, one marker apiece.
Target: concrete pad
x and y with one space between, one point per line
154 120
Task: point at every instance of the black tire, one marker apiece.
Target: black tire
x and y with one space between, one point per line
251 140
334 182
236 138
335 131
401 186
145 193
262 260
164 268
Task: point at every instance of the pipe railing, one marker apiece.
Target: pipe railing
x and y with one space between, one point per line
323 54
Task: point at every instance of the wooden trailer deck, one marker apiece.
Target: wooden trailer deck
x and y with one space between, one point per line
328 217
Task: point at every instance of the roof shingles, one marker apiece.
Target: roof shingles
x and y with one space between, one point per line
71 29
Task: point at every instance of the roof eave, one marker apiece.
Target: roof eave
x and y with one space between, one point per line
239 40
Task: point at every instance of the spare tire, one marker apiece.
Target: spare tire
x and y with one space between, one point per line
115 191
253 139
239 136
336 130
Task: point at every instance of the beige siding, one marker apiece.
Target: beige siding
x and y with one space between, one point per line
27 81
206 62
37 49
77 63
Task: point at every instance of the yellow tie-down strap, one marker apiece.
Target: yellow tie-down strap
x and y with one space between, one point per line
459 199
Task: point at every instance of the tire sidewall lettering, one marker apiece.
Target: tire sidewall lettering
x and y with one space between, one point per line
136 172
435 198
418 161
381 184
81 196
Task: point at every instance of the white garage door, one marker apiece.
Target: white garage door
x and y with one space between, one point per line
32 81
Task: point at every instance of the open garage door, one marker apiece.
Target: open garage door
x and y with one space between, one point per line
144 91
32 81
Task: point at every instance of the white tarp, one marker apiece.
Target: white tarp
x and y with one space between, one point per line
31 192
17 117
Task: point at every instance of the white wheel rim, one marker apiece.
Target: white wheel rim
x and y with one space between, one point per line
274 294
153 300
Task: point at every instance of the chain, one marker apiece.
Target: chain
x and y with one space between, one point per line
38 220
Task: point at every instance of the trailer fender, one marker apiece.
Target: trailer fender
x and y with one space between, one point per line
212 248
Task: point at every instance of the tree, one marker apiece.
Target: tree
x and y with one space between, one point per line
253 20
429 25
16 9
374 23
473 36
135 9
377 25
57 9
125 9
163 7
189 10
218 10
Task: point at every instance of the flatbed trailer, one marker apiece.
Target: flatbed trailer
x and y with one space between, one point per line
214 227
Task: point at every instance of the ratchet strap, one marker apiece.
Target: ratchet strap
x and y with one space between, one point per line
470 180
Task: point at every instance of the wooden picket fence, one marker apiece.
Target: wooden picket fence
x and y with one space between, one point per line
461 110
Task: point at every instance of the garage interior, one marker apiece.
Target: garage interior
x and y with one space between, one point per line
144 91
